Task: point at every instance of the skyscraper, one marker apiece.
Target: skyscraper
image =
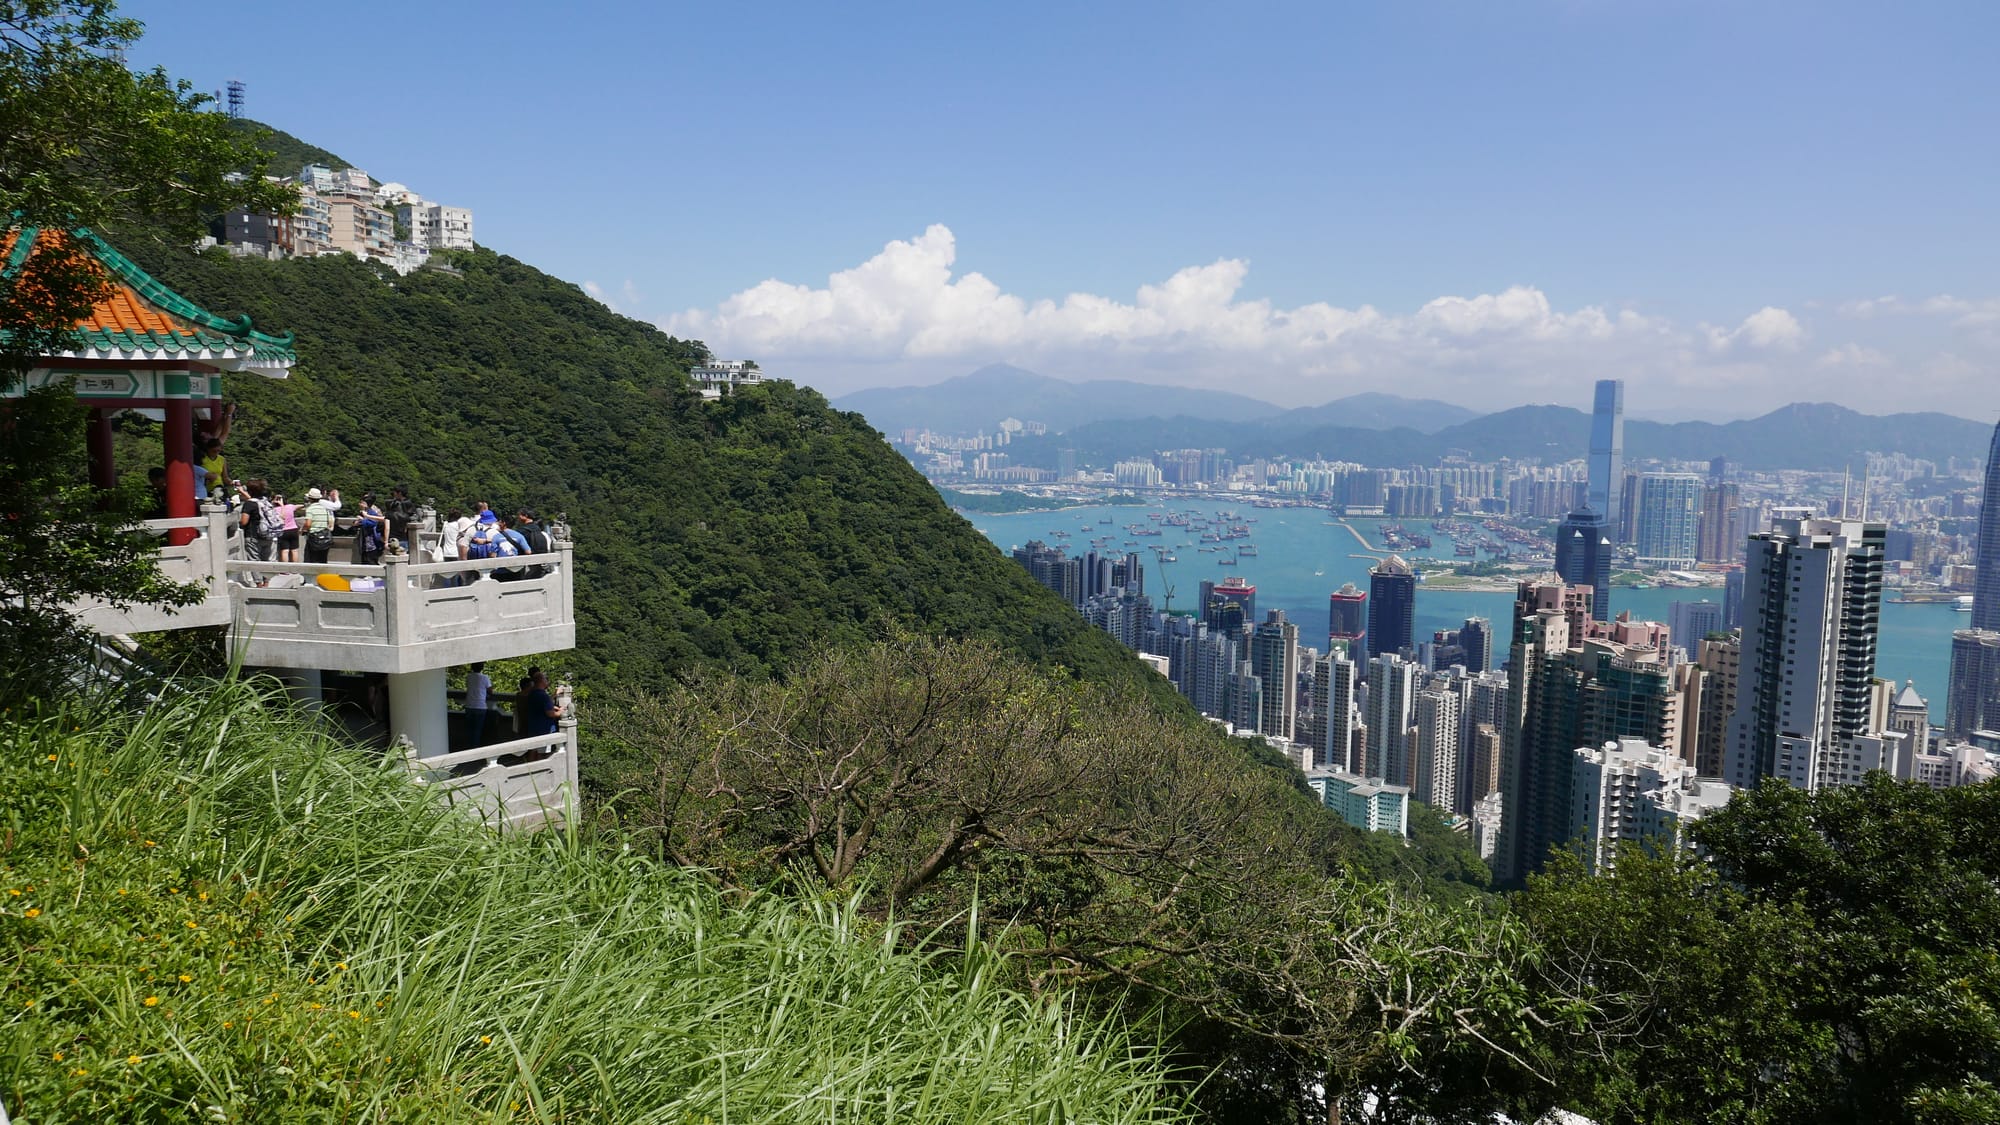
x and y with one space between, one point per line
1435 755
1567 690
1274 658
1230 606
1392 610
1583 557
1973 699
1347 621
1392 689
1721 538
1812 602
1669 519
1337 692
1986 579
1607 448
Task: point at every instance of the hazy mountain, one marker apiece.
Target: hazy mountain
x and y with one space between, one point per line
1373 410
977 402
1819 436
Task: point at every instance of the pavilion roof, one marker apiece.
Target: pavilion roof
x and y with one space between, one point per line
144 321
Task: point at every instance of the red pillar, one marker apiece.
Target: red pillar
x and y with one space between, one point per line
103 471
179 437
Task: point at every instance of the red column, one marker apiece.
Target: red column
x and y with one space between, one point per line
179 437
103 472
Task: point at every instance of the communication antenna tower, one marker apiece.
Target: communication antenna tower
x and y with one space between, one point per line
235 98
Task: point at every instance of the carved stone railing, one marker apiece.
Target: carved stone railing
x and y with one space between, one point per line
401 616
203 560
521 785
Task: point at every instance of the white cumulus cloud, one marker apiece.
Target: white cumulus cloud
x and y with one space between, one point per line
910 314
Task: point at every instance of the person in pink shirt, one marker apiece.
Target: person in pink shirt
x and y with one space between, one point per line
288 539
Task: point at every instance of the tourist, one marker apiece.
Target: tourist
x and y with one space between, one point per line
216 466
402 511
260 524
321 511
371 531
156 480
478 689
448 548
521 700
288 533
543 711
537 538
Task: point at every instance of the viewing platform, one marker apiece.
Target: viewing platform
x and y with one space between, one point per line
392 626
401 616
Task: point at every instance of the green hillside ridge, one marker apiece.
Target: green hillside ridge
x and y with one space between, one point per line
288 153
733 534
211 911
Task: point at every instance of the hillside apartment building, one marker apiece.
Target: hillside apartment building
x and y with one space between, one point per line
344 211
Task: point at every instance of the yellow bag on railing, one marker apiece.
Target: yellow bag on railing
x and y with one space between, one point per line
333 582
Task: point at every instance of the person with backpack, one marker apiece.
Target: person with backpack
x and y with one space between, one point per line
261 525
508 544
317 522
537 538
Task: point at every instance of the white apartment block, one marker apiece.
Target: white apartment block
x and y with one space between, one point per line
1367 803
435 226
344 211
1628 792
719 377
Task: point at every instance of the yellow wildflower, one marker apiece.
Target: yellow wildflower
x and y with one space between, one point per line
152 1001
34 912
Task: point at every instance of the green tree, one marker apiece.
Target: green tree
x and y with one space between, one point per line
84 142
1832 958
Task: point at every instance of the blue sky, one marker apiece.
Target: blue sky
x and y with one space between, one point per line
1487 202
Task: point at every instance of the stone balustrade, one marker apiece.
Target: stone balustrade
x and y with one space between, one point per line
203 561
401 616
521 785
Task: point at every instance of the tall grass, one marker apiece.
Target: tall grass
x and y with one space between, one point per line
209 911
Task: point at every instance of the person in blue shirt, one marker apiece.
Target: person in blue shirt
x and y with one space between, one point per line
542 709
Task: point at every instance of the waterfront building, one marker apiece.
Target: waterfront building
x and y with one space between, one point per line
1972 700
1986 583
1669 519
1732 598
1628 793
1391 703
1347 620
1368 803
1607 449
1392 608
1583 556
1812 605
1230 605
1689 622
1274 659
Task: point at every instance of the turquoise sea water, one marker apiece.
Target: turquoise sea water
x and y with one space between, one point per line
1303 555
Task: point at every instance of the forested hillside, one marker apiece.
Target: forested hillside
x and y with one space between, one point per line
728 535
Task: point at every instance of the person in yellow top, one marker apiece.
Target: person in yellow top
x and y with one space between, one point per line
216 466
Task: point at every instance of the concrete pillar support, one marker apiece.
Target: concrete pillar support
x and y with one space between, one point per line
417 711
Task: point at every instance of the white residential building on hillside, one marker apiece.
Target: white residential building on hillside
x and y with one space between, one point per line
719 377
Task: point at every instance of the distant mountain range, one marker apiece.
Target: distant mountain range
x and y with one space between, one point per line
1815 436
977 402
1110 419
